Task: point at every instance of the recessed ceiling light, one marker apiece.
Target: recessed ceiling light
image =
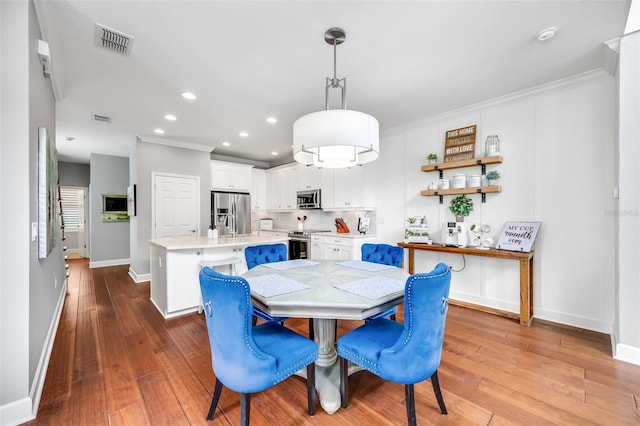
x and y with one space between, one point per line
244 134
159 131
225 143
272 120
188 95
547 34
170 117
274 153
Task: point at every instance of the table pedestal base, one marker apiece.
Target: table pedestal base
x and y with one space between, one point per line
327 367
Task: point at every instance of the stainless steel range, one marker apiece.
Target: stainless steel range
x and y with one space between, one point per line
300 243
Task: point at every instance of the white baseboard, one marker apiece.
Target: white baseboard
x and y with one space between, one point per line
138 278
627 353
16 412
587 323
26 409
106 263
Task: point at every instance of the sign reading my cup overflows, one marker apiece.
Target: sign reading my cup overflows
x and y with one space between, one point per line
460 144
518 236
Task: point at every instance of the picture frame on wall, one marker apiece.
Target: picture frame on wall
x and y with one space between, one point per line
47 193
131 200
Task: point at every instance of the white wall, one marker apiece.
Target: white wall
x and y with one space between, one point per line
628 297
558 144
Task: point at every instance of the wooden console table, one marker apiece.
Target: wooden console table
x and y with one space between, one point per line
526 273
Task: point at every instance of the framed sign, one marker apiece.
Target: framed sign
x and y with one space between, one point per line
460 144
518 236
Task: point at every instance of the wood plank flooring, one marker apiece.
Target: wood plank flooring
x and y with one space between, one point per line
117 361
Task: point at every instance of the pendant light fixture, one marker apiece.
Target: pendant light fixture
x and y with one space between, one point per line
335 138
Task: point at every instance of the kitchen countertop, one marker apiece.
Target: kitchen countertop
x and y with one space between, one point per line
349 235
184 243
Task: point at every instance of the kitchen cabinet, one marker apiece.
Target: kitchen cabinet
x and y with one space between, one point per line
230 176
258 190
309 177
483 190
175 266
348 189
283 187
325 247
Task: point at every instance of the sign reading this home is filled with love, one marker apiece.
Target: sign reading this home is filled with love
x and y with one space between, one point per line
460 144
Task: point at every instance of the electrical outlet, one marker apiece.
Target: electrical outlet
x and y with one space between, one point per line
55 282
34 231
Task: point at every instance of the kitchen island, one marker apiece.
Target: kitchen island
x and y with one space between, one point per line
175 265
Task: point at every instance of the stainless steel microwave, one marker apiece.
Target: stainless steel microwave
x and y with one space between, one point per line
309 199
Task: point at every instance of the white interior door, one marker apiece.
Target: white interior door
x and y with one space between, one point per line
176 202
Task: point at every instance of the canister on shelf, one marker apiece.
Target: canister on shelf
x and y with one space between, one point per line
475 181
444 184
459 181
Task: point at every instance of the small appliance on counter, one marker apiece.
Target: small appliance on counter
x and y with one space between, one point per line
455 234
266 224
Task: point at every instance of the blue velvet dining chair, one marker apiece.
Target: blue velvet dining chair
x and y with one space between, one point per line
248 359
384 254
406 353
261 254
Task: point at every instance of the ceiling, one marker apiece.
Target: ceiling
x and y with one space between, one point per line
248 60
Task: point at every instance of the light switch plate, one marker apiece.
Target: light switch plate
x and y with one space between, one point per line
34 231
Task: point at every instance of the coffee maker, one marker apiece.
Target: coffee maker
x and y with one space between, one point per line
455 234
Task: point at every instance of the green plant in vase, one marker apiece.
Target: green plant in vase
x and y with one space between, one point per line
492 177
461 206
432 158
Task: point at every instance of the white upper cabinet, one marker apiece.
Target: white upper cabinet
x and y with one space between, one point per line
283 183
230 176
309 177
258 189
349 190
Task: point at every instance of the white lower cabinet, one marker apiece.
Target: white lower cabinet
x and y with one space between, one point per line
337 248
175 278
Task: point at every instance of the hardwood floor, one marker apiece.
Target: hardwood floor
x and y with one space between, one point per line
117 361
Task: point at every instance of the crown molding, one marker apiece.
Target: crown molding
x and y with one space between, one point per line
175 143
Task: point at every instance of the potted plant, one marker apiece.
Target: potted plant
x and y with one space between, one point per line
492 177
432 158
461 206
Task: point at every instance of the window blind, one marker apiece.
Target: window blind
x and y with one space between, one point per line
72 202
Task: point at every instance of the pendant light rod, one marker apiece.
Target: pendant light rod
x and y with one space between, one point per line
334 37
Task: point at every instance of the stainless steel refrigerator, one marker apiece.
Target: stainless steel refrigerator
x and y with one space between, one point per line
231 213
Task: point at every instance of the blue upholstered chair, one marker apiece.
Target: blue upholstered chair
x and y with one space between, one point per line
387 255
383 253
266 253
406 353
258 255
249 359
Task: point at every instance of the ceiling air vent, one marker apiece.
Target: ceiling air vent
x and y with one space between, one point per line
102 118
111 39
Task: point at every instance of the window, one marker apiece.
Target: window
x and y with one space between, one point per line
72 202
